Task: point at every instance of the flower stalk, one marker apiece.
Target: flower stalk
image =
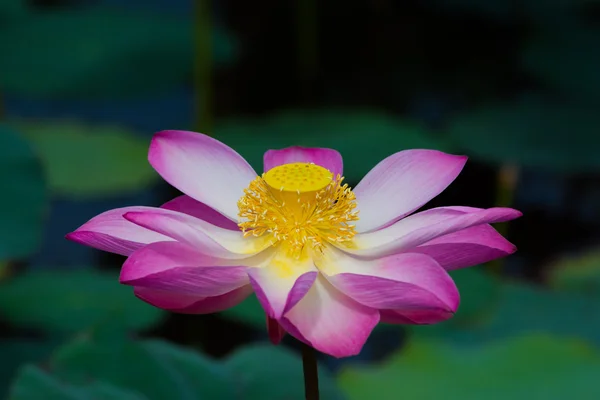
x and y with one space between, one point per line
310 369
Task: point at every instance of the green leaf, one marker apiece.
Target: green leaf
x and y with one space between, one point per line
565 59
527 308
207 379
268 372
158 370
33 383
24 198
115 53
523 308
579 274
528 367
363 137
84 161
16 352
161 370
248 312
72 300
532 133
479 292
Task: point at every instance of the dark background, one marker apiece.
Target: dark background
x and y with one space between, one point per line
84 85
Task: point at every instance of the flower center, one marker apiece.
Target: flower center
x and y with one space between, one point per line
298 177
300 205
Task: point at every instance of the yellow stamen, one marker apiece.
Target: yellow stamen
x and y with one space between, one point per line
301 205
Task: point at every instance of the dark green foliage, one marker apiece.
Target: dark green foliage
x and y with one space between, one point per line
73 300
23 198
100 53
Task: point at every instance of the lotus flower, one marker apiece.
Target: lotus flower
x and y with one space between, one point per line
326 262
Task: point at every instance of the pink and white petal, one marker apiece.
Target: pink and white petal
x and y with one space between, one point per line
402 183
465 248
111 232
218 303
401 281
207 238
162 256
203 281
414 317
203 168
185 204
329 321
326 158
423 227
274 330
281 282
176 267
192 304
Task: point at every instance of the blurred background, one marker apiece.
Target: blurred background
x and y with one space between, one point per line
84 84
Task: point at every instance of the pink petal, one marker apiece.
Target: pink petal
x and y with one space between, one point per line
176 267
329 321
274 330
165 299
402 183
282 282
465 248
111 232
414 317
423 227
163 256
326 158
402 281
187 205
191 304
203 168
205 237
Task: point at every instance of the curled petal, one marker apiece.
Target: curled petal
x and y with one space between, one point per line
207 238
330 321
192 304
423 227
465 248
201 167
185 204
282 282
326 158
402 183
111 232
402 281
177 267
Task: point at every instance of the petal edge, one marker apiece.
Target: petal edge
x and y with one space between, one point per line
402 183
201 167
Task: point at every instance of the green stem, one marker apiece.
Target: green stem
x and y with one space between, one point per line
203 67
311 376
